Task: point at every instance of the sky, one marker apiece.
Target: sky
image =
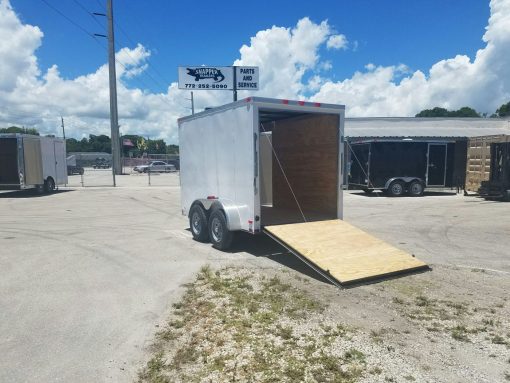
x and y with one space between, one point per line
379 58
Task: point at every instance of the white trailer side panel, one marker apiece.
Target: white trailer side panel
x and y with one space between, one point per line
218 160
60 161
54 159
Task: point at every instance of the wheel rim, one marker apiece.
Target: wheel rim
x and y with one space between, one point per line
396 189
416 188
216 229
196 224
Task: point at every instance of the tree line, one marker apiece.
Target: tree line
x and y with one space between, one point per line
466 111
132 145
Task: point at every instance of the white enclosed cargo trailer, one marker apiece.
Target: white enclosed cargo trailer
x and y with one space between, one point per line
276 166
28 161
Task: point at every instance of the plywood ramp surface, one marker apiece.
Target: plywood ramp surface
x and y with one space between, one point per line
343 251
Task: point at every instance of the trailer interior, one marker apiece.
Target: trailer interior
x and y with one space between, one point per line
9 161
299 169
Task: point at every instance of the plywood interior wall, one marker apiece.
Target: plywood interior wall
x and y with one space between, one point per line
478 166
307 149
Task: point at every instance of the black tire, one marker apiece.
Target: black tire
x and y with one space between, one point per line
81 171
198 224
416 189
221 238
396 189
49 185
146 170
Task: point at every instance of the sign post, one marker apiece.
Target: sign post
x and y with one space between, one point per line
232 78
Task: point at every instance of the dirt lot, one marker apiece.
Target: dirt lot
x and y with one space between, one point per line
90 277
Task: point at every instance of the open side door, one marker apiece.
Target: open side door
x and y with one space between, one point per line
342 253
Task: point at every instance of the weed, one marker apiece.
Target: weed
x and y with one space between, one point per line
460 333
354 354
398 301
409 378
375 370
497 339
153 371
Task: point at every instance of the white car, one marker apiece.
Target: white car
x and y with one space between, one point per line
155 166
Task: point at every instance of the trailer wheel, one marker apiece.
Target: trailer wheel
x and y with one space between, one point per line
416 189
396 189
221 237
81 171
198 224
49 185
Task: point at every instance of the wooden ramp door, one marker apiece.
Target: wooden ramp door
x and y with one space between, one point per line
343 253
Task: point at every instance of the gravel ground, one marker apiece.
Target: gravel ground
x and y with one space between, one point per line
400 330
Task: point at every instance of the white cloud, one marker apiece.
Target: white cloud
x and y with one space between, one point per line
337 42
290 67
284 55
482 83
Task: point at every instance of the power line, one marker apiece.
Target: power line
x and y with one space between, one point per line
67 18
88 12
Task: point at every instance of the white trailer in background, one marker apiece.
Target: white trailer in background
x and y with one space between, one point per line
276 166
28 161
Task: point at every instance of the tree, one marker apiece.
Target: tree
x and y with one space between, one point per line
435 112
172 149
503 110
465 111
15 129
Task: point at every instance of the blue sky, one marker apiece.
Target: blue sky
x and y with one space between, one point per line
416 33
378 58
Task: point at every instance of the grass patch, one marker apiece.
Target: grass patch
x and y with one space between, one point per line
236 326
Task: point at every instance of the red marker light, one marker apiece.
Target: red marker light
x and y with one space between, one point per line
302 103
286 102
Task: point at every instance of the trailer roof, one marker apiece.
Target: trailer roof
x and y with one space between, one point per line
17 135
379 127
273 108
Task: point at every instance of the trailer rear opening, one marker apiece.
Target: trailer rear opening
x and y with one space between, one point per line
299 168
9 161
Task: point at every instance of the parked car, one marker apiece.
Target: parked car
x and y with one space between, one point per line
155 166
72 170
101 163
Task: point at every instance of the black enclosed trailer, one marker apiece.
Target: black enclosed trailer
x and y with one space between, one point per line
405 166
498 186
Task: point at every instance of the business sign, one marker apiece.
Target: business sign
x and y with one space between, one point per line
247 78
219 78
206 78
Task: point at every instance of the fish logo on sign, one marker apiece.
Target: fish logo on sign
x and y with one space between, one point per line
206 73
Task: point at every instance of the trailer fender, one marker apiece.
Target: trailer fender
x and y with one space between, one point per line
228 207
407 180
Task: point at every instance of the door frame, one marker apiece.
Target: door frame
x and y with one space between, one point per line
428 163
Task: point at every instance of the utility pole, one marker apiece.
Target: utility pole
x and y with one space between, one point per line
192 104
114 115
